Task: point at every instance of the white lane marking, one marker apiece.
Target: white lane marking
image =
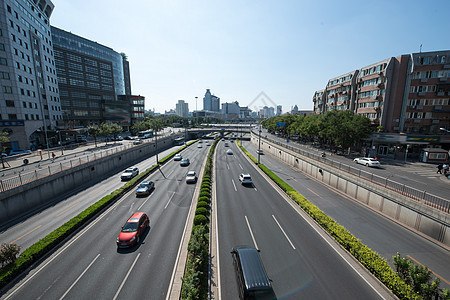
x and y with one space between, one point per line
79 277
251 232
255 188
241 167
170 173
293 247
228 166
67 246
169 200
140 206
126 277
235 189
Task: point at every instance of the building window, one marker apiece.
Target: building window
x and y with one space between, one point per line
12 116
4 75
7 89
10 103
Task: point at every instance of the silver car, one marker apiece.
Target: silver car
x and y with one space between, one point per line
191 177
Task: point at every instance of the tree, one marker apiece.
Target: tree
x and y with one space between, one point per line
94 131
115 129
8 253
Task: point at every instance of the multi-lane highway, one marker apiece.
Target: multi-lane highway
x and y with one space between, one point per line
298 260
378 232
89 265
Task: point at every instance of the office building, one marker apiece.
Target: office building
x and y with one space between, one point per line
30 103
279 110
90 78
211 102
182 109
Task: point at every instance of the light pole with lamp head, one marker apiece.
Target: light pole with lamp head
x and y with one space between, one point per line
443 129
60 142
259 144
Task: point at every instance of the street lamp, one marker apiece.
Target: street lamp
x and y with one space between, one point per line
259 144
443 129
196 112
60 143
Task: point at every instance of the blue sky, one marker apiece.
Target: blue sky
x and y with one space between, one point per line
238 49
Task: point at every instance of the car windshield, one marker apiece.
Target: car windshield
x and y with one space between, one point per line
128 171
130 227
143 185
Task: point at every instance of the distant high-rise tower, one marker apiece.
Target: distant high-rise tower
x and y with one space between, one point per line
182 108
279 110
211 102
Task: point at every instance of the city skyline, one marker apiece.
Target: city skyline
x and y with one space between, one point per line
238 50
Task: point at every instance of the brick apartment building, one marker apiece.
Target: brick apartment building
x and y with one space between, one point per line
408 96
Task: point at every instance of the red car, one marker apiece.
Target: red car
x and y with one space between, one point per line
132 230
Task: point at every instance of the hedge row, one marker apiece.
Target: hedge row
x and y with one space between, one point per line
195 279
369 258
49 242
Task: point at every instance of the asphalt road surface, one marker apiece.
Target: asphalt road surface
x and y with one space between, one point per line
300 263
89 265
378 232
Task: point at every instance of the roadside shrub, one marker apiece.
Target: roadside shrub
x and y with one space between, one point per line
205 193
204 199
202 211
203 204
200 220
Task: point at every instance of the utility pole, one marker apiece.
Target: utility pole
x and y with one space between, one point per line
259 145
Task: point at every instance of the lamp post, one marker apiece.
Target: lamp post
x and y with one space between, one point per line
196 112
156 143
443 129
259 144
60 142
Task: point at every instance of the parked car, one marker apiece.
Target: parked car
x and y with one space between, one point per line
137 142
367 161
191 177
16 151
132 230
229 152
245 178
184 162
177 157
129 173
144 188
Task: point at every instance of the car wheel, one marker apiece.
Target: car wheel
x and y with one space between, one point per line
367 165
138 239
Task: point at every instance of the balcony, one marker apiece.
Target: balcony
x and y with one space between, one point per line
424 80
440 93
421 93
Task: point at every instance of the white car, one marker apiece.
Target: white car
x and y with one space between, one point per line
191 177
177 157
367 161
229 152
245 178
129 173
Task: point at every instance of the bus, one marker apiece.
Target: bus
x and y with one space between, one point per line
179 141
146 134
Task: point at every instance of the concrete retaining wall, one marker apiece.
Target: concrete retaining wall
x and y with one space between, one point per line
36 194
423 218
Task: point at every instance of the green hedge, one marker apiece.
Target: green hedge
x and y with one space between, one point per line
369 258
49 242
195 279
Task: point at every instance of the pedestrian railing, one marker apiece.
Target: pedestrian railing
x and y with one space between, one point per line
57 165
408 191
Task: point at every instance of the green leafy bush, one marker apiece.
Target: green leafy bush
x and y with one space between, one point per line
205 193
203 204
204 199
200 220
202 211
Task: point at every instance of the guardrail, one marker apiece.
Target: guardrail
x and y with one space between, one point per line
64 164
415 194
